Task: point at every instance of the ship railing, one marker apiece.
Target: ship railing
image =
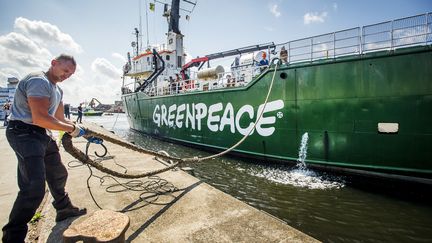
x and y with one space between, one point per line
141 66
237 77
128 87
234 78
390 35
409 31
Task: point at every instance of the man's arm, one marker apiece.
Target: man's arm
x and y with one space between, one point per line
39 108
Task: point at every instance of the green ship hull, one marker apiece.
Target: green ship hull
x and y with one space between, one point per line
340 103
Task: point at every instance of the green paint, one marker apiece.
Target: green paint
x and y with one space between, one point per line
338 102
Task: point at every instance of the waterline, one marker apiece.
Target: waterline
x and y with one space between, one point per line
299 178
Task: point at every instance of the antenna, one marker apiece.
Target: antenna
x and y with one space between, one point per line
140 27
137 43
148 45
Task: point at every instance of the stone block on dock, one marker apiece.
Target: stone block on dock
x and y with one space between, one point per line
102 226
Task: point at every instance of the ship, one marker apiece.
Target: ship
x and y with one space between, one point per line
92 108
88 112
363 95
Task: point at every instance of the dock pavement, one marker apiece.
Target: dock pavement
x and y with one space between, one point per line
173 206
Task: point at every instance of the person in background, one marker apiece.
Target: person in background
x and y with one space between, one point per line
231 82
235 63
80 113
173 85
283 55
67 111
264 61
235 69
179 83
6 108
37 108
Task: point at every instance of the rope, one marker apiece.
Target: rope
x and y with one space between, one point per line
251 130
150 189
175 161
115 122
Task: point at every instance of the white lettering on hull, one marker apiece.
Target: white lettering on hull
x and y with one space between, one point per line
192 116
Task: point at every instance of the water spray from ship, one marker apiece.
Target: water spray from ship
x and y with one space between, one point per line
299 175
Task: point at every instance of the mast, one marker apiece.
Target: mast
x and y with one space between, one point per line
175 16
174 36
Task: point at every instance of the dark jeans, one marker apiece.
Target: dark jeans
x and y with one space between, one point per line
38 161
5 121
79 118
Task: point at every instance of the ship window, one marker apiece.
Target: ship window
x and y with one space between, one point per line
283 75
170 41
148 59
167 57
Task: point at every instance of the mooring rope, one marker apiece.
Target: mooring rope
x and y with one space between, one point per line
149 190
252 129
175 161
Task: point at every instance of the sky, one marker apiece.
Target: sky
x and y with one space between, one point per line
98 33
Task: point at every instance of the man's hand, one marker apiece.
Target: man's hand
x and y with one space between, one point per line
77 132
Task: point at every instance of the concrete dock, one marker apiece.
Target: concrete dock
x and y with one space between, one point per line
171 207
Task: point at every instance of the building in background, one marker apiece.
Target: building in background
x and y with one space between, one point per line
7 94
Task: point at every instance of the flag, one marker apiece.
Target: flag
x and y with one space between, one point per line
152 7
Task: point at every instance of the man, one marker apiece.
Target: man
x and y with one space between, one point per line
173 85
67 111
37 107
80 113
264 62
6 108
284 55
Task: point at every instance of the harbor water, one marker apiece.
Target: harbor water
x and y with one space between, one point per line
328 207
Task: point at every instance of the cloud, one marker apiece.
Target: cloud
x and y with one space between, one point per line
315 17
9 72
47 33
335 7
75 94
119 56
22 53
104 67
82 86
274 10
29 48
19 43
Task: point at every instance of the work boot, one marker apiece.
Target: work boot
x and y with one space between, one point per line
69 212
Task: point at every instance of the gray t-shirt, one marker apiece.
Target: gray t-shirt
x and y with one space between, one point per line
34 85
